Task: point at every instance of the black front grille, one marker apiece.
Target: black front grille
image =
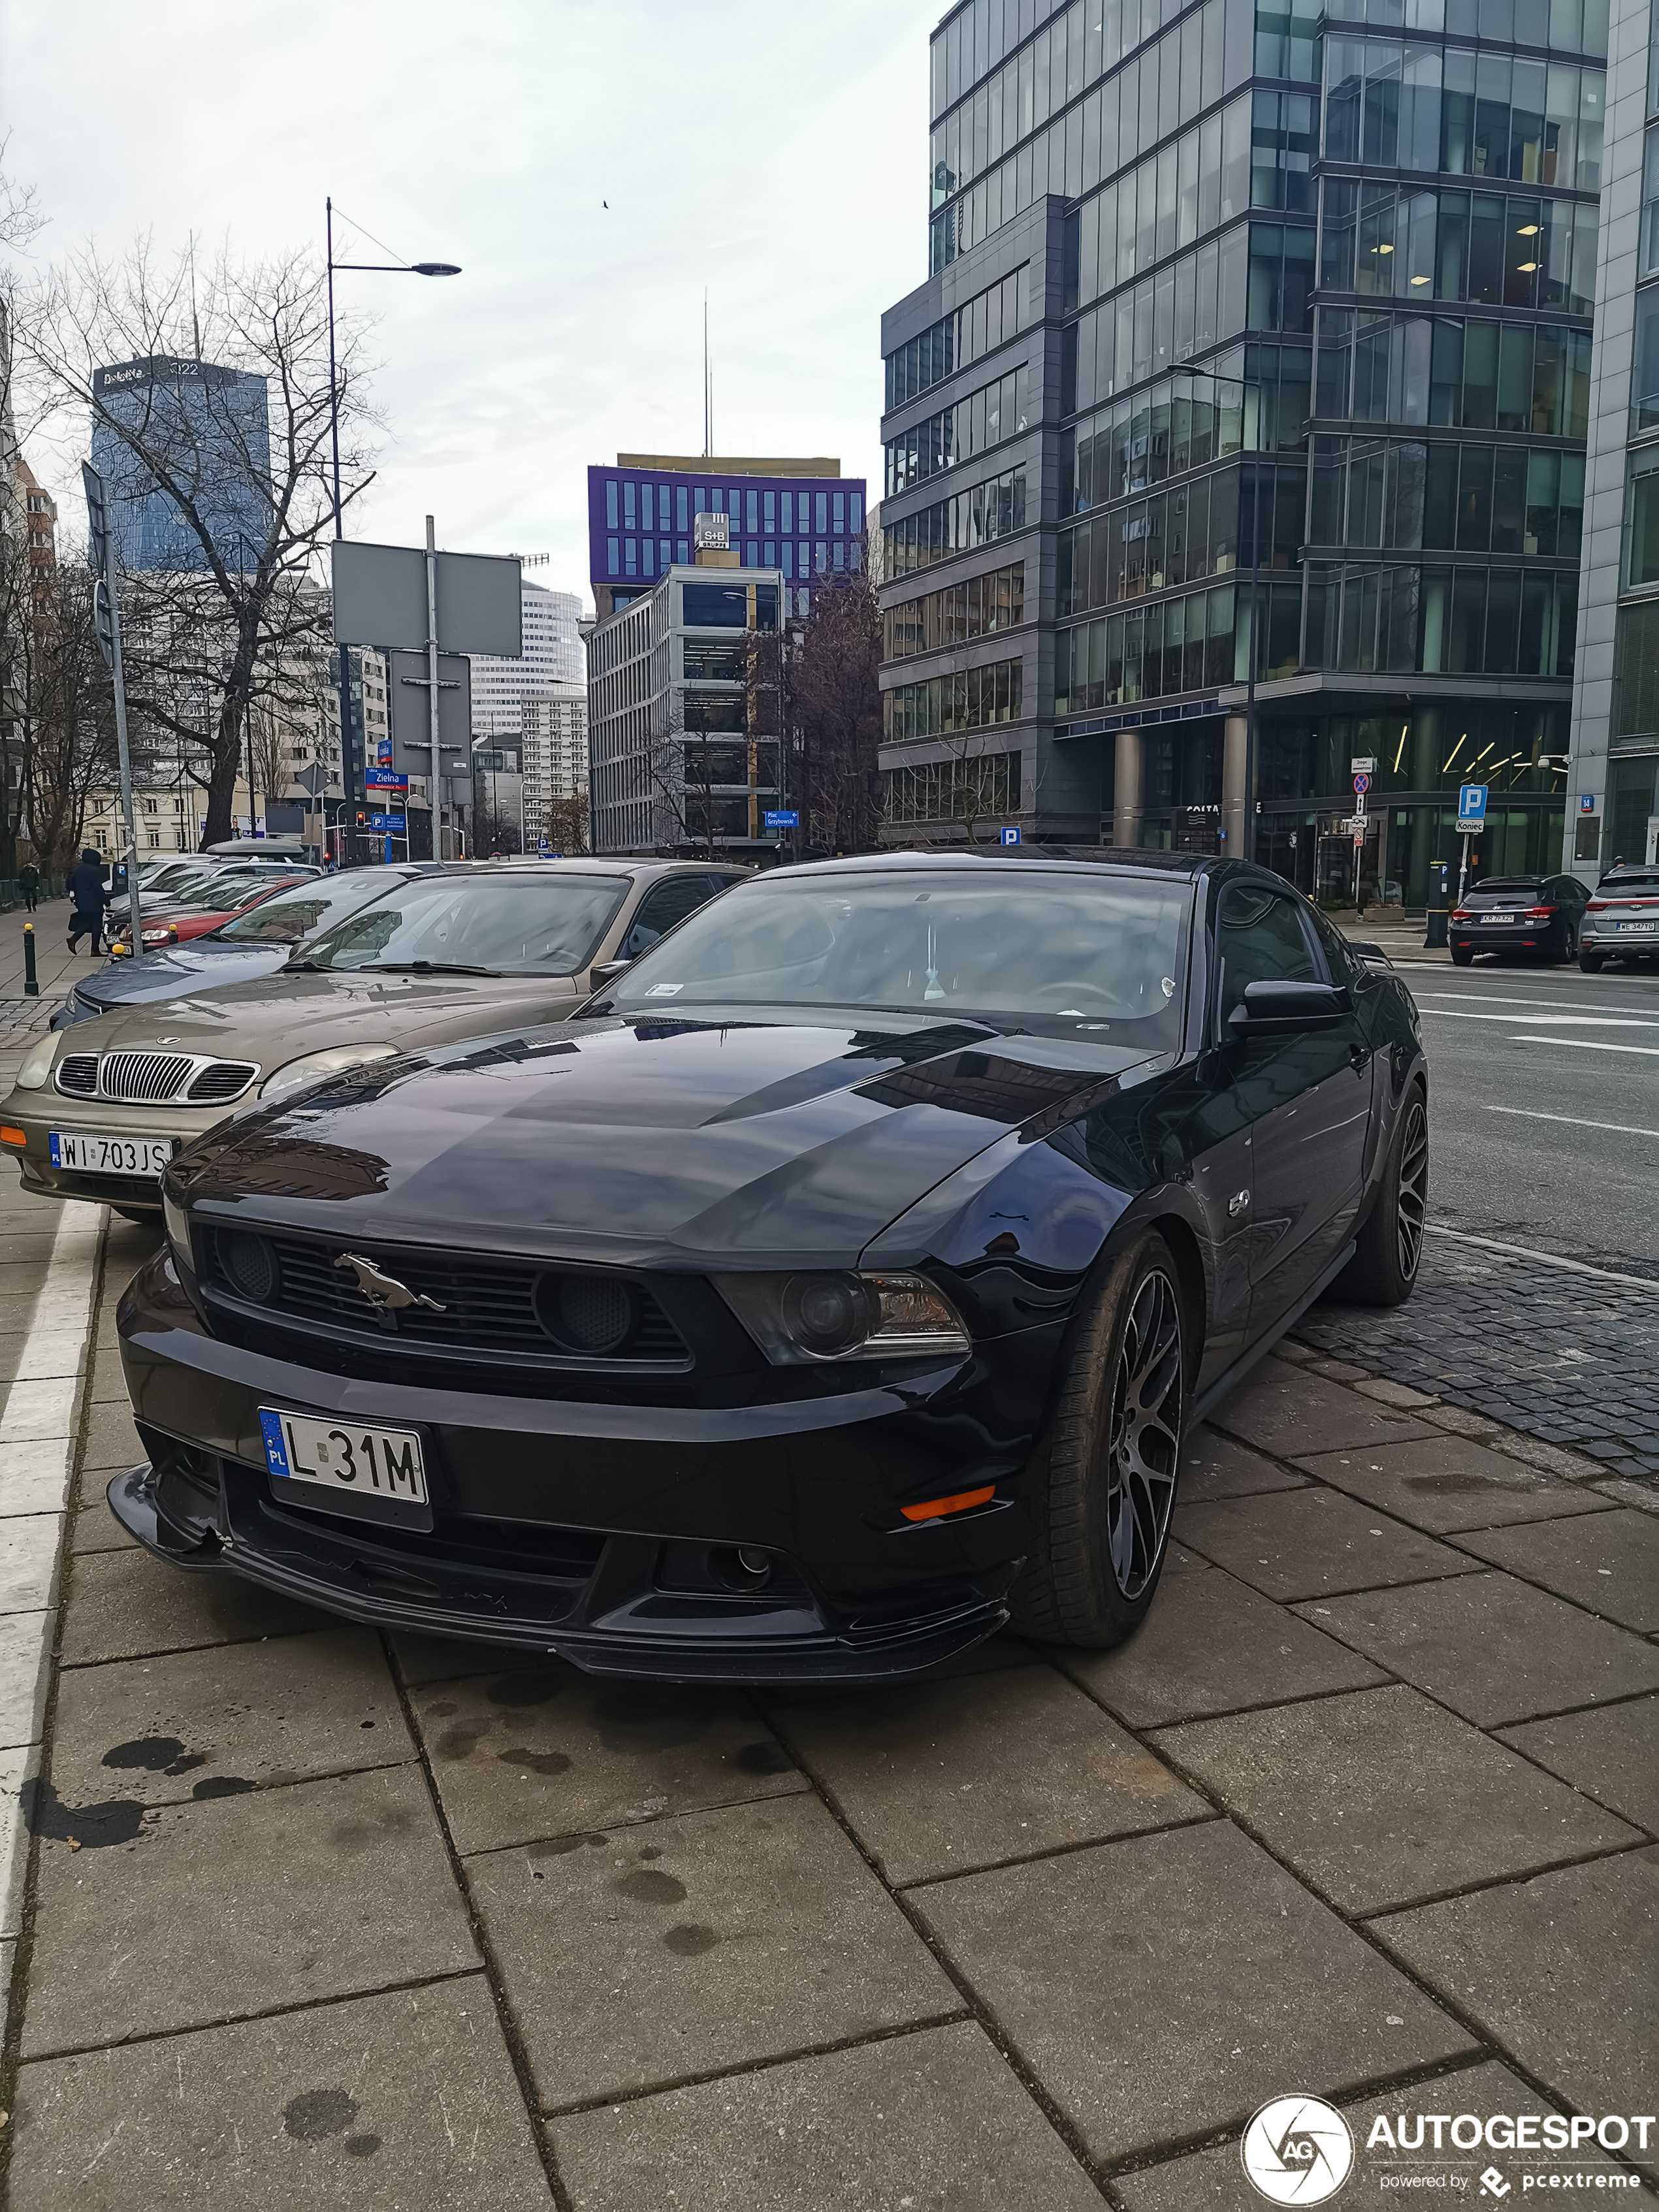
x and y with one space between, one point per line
77 1074
461 1305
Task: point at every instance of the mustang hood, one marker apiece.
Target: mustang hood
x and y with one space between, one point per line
662 1143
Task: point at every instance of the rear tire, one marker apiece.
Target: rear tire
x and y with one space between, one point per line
1590 962
1462 956
1103 1473
1388 1251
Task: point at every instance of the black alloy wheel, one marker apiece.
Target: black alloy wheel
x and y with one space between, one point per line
1104 1475
1389 1250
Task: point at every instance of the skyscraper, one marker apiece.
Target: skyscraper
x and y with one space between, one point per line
1245 323
202 431
802 518
551 666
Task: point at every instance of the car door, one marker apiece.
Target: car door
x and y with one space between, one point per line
1306 1097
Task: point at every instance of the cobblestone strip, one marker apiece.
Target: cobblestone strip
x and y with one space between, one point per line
1556 1353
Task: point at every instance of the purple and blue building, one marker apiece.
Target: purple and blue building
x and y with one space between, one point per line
801 518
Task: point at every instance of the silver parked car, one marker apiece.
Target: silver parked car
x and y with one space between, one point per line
1621 921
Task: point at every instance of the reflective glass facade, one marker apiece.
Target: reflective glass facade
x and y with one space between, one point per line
1295 389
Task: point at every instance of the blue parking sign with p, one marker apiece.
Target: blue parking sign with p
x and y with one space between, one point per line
1009 836
1472 806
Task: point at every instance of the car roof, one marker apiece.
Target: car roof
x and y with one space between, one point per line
596 864
1099 859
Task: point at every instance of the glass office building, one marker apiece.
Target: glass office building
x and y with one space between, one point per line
1254 362
1613 784
205 431
802 518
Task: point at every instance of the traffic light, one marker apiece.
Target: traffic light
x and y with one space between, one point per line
361 817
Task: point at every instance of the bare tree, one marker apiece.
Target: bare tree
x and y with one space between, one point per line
566 826
834 708
66 718
221 621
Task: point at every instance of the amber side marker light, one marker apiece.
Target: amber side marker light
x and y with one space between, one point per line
936 1508
11 1136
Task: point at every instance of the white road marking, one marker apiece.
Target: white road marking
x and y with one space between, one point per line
1487 998
1550 1259
1592 1044
1623 1128
37 1449
1567 1021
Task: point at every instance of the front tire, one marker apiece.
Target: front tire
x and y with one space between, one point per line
1388 1251
1104 1472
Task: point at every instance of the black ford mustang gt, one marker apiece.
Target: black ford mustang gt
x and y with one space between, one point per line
838 1286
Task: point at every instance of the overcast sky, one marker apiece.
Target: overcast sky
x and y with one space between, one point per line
776 154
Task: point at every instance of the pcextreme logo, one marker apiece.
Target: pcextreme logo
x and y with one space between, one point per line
1301 2151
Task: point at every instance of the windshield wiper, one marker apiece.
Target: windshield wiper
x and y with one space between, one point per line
422 968
316 967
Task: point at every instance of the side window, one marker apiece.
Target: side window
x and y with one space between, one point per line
1260 938
1343 963
663 905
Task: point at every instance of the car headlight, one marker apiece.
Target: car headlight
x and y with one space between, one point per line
799 1320
314 1066
178 1228
36 1070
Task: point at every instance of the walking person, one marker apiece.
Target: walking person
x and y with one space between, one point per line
88 899
28 882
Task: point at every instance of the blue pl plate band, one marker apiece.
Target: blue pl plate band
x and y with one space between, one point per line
276 1451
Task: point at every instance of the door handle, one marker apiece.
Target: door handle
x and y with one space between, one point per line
1359 1058
1238 1203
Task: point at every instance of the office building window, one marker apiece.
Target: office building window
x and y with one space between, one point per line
838 509
684 555
805 563
856 501
821 503
665 554
630 557
629 507
699 500
648 500
612 553
822 563
769 509
753 506
788 512
770 553
840 552
788 559
610 505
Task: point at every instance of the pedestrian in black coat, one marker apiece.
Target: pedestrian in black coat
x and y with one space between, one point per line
88 898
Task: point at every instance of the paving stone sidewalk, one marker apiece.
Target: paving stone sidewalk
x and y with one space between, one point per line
1560 1353
1368 1810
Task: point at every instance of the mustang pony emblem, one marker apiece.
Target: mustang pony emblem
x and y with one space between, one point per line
385 1293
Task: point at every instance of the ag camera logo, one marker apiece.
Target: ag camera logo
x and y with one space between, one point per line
1297 2151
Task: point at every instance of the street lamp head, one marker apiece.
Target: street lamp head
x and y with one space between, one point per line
434 268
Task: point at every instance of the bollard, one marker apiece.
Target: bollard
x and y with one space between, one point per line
31 982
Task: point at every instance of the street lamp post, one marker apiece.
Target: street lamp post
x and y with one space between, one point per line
359 268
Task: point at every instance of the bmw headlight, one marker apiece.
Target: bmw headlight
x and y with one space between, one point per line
314 1066
36 1070
798 1320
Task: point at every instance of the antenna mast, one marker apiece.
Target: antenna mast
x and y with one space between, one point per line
708 386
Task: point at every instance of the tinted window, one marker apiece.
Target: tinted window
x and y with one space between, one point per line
715 606
1056 952
510 926
290 915
1260 939
663 905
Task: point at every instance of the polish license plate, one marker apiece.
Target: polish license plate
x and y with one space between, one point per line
1638 928
345 1456
1488 919
131 1156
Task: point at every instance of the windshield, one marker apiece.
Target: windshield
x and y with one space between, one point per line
288 916
1052 952
502 925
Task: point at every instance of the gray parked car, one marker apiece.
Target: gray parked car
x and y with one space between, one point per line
1621 921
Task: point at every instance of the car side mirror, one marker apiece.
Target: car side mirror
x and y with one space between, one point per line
607 972
1272 1008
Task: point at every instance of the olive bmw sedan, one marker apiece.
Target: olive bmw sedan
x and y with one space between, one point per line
841 1282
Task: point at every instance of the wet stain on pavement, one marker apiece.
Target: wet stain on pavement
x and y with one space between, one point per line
316 2114
536 1762
442 1711
689 1940
646 1887
765 1758
638 1723
94 1827
460 1743
222 1785
556 1847
361 2146
537 1685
